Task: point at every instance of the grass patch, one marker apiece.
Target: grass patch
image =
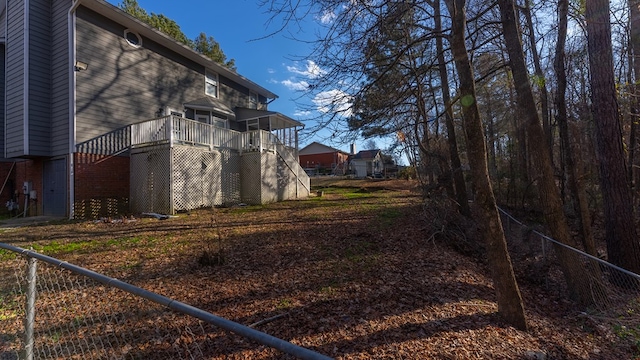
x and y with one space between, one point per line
284 304
8 306
7 255
387 217
127 242
55 247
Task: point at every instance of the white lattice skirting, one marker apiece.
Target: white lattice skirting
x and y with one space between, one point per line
170 179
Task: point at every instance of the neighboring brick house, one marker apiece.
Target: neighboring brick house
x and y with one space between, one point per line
317 158
100 114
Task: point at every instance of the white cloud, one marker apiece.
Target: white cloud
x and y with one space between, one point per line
302 113
271 71
311 70
327 17
295 85
334 101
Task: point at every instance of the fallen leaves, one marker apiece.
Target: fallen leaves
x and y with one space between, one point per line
353 278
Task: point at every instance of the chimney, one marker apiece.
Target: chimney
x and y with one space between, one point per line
353 148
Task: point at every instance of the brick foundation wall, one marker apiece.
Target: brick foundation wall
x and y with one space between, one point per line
101 186
15 174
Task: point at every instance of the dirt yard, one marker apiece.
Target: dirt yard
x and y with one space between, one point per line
351 274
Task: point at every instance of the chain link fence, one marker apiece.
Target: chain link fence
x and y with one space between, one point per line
51 309
614 293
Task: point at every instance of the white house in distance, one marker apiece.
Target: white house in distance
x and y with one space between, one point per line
367 163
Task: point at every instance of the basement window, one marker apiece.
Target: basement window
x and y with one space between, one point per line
133 38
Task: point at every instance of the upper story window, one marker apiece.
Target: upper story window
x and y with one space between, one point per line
211 83
133 38
253 100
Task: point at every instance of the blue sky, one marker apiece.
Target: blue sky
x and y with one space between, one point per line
240 26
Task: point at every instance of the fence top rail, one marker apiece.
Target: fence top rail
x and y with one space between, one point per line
242 330
554 241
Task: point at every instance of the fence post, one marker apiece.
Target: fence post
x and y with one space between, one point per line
31 308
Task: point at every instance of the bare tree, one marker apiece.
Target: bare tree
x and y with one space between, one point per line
576 187
456 165
634 80
623 246
509 299
547 188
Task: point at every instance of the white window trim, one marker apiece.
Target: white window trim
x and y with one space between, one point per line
169 111
139 44
207 76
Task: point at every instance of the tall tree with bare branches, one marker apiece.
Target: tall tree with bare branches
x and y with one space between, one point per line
509 298
623 246
548 190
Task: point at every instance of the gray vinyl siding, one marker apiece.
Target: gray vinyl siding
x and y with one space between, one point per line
3 29
14 145
125 85
237 94
2 92
39 77
60 73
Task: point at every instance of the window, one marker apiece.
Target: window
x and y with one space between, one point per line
253 100
219 122
132 38
211 83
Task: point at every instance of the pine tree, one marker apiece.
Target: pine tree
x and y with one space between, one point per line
205 45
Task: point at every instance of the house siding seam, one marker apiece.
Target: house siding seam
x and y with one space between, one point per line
15 70
2 94
39 97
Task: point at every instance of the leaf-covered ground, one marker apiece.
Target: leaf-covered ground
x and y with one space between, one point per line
352 274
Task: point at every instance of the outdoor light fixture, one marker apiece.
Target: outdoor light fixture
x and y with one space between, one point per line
81 66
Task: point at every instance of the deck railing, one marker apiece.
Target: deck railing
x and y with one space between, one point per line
173 129
111 143
176 130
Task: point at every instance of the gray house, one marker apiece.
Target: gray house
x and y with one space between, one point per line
104 115
367 163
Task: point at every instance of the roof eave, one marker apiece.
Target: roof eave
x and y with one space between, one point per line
112 12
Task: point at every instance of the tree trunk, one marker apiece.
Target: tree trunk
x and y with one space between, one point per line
508 294
540 80
634 50
578 193
623 247
550 200
456 166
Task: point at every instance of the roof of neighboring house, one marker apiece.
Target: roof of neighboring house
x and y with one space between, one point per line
318 148
114 13
366 154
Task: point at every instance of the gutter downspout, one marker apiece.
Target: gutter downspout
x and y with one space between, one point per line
25 80
71 27
6 30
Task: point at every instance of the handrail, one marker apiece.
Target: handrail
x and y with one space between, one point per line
111 143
